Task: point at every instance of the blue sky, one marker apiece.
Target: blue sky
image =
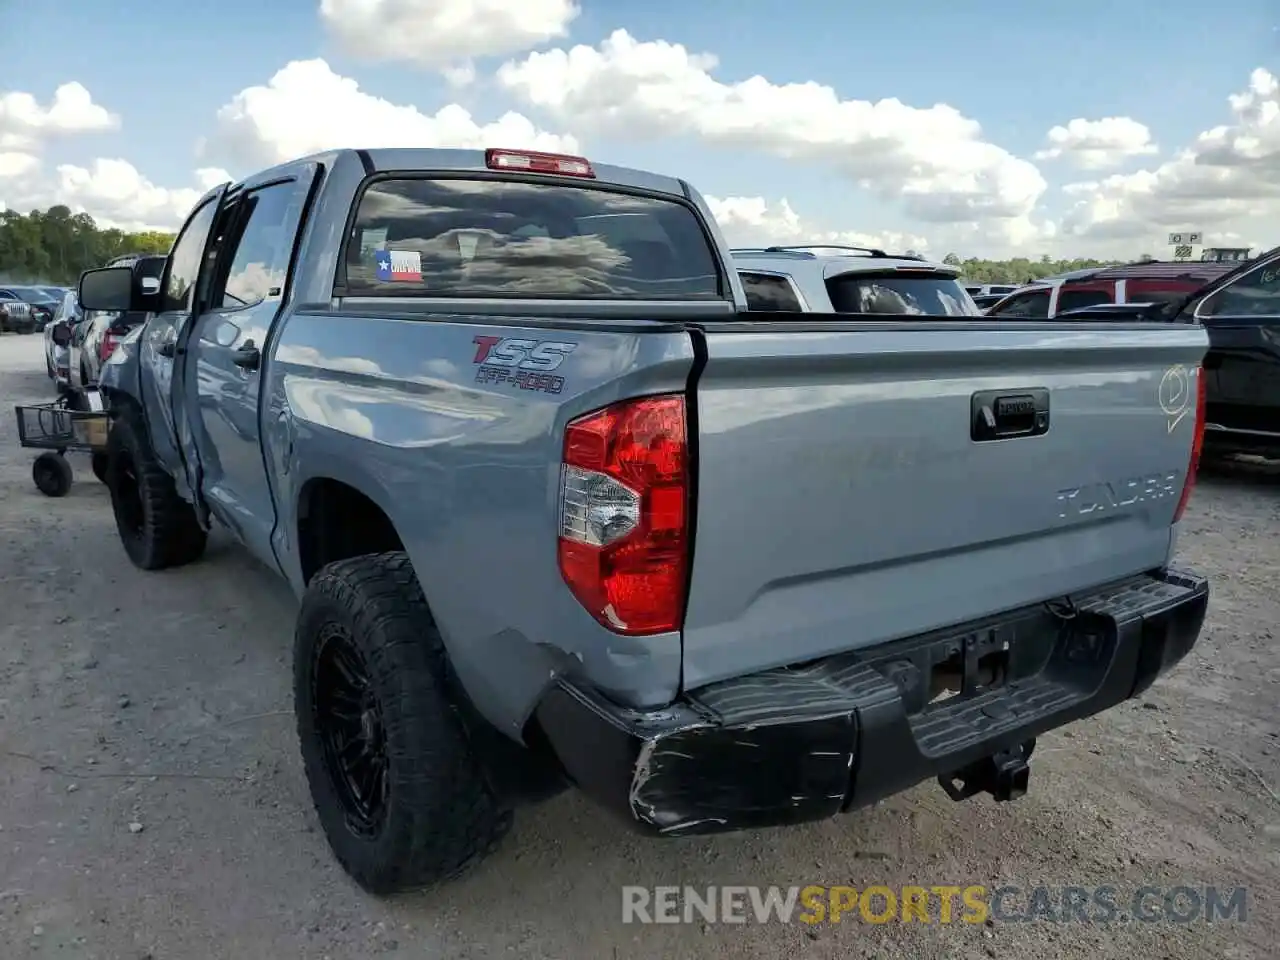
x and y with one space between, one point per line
1016 68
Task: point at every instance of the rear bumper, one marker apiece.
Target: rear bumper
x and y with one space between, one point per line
805 743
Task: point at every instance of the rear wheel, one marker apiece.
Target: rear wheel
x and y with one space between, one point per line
52 474
401 796
157 527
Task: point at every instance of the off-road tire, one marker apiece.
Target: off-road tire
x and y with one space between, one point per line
157 527
441 816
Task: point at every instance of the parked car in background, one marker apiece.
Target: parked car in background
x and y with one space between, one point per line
43 304
16 315
990 289
1152 282
985 301
1240 310
97 333
850 280
57 357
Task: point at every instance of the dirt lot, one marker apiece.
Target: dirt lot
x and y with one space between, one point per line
152 802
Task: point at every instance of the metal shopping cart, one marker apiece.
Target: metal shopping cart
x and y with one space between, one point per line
77 421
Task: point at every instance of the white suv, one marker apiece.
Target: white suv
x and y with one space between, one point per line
800 279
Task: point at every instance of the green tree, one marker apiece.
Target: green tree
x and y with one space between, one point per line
54 246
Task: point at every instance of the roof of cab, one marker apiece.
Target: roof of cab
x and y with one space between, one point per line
431 158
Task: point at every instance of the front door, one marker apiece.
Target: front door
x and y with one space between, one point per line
226 349
184 277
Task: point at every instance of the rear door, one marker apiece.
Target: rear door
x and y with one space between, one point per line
225 346
848 494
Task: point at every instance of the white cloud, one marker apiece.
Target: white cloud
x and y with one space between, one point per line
306 108
15 164
439 33
1226 183
748 221
1096 144
932 160
116 194
24 123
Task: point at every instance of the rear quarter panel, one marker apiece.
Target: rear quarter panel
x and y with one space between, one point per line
467 468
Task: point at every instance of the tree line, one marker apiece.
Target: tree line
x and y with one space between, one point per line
1021 269
54 246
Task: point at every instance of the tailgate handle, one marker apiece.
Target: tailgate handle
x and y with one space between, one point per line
1005 414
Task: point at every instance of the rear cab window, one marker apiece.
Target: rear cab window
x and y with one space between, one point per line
902 293
433 236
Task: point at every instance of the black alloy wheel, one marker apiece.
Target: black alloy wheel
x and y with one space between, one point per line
348 720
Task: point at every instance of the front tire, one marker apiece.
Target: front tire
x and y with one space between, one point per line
157 527
400 795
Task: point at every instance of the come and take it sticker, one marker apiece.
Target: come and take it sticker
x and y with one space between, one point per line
398 265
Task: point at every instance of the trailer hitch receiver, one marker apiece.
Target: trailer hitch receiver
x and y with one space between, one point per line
1004 775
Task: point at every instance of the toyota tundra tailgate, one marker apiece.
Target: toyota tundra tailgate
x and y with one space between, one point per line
864 482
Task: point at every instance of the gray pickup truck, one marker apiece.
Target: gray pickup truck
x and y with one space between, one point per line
560 510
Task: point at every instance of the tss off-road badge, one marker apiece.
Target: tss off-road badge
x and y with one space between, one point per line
523 363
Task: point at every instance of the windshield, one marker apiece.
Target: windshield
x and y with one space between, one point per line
901 292
35 295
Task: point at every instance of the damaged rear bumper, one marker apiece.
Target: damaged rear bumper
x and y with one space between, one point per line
804 743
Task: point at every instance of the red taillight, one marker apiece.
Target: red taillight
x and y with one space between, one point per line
108 346
531 161
624 489
1197 444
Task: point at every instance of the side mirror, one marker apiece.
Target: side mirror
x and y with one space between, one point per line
61 333
106 288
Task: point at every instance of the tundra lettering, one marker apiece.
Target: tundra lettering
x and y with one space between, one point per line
1092 497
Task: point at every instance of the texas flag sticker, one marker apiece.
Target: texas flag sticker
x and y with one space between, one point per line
398 264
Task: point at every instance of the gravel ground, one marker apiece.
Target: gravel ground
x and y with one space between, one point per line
152 802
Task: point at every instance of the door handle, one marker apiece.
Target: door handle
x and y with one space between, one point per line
165 349
1002 415
247 357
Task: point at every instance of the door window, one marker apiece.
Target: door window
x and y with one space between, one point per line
765 292
254 259
1256 294
1027 306
186 258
